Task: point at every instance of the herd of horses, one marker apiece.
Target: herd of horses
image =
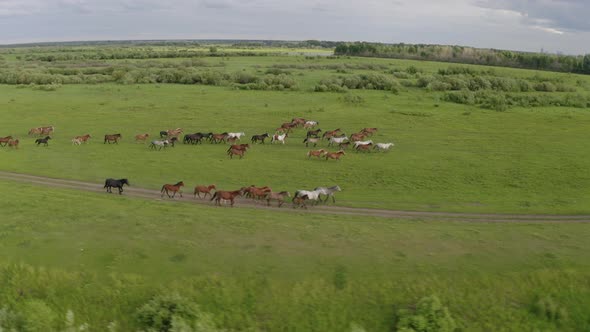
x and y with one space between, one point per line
256 193
168 138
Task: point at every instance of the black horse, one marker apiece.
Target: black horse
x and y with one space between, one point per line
110 183
194 138
163 133
261 138
45 141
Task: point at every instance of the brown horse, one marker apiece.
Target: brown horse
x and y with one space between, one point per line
5 140
226 195
298 121
328 134
174 188
369 131
259 193
316 153
35 131
238 152
173 132
83 138
47 130
314 133
13 143
217 138
280 197
344 145
206 190
358 136
364 147
142 137
299 201
238 147
288 126
335 155
112 138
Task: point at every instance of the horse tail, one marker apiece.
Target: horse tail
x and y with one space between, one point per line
163 187
106 183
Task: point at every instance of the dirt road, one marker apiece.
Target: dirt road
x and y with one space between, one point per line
322 209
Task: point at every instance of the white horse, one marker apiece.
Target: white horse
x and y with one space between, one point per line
357 143
311 195
383 146
279 138
236 135
337 140
310 124
328 191
159 144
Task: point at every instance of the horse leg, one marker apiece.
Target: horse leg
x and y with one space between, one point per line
280 202
180 192
333 199
120 190
232 202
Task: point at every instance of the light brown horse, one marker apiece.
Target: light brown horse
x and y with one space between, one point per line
226 195
83 138
358 136
238 152
298 121
112 138
316 153
369 131
174 132
5 140
35 131
280 197
174 188
13 143
259 193
206 190
142 137
47 130
328 134
335 155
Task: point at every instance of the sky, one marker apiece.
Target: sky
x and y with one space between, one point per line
528 25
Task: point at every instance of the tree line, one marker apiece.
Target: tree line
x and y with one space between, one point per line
469 55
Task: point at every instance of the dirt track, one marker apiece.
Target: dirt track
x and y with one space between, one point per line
322 209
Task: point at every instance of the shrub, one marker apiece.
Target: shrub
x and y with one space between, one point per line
429 316
547 308
37 316
545 87
349 98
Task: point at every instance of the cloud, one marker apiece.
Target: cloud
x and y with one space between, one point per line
554 16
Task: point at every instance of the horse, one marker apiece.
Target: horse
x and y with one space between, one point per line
357 137
238 147
279 138
310 124
369 131
163 133
238 152
173 132
231 140
383 146
337 140
328 191
206 190
335 155
5 140
141 137
13 143
112 138
83 138
76 141
300 201
45 141
357 143
159 144
364 148
344 145
110 183
261 138
316 153
279 197
226 195
217 138
314 133
259 193
313 140
173 140
47 130
311 195
299 121
288 126
175 188
35 131
193 138
328 134
236 135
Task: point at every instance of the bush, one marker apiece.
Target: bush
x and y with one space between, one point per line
547 308
429 316
37 316
349 98
545 87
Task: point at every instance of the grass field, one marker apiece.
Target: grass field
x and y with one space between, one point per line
258 269
104 256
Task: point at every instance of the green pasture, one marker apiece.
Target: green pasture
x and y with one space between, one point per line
447 157
105 255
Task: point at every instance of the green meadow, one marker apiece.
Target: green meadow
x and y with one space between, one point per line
467 139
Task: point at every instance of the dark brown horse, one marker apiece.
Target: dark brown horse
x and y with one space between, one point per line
238 152
5 140
217 138
206 190
226 195
238 147
358 136
364 147
369 131
112 138
174 188
314 133
330 133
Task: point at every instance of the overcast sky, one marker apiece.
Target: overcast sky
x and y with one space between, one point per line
530 25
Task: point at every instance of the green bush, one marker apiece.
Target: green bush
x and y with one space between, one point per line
547 308
430 315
